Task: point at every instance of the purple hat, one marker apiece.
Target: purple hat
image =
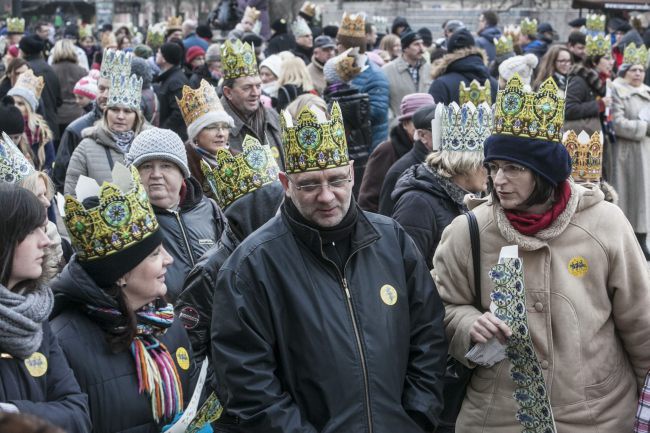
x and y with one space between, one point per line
411 103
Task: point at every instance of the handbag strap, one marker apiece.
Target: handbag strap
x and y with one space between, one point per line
476 257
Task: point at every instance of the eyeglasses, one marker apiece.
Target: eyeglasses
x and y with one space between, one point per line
219 126
332 184
510 171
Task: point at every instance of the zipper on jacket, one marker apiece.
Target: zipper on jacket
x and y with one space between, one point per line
187 242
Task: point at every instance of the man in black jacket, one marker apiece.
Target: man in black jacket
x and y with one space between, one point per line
169 86
326 318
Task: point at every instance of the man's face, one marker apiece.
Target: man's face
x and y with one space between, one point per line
371 38
415 51
103 85
306 41
578 50
245 93
323 54
43 32
323 205
178 34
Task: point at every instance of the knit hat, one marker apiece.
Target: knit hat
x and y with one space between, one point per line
143 51
71 32
140 67
427 36
408 37
423 116
274 63
194 52
204 31
412 102
280 26
172 53
213 54
522 65
87 87
158 143
461 38
11 120
31 44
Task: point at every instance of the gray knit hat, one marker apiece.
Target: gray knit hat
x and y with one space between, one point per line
156 143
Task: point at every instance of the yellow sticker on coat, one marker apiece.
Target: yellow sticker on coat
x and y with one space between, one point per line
578 266
388 294
182 358
36 364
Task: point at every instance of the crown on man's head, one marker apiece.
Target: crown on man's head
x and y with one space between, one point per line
14 166
464 128
634 55
27 80
238 59
309 9
596 23
194 103
528 26
475 93
125 91
353 25
16 25
115 63
586 155
504 45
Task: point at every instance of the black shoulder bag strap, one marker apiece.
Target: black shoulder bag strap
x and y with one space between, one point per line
476 257
109 157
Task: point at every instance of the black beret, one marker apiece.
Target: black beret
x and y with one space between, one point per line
578 22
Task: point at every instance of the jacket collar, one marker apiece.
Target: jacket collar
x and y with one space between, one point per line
440 66
624 90
239 123
168 73
420 151
402 65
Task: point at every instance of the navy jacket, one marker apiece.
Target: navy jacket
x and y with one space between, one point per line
486 39
373 81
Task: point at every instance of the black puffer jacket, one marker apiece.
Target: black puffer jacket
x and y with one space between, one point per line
168 86
300 346
189 233
425 204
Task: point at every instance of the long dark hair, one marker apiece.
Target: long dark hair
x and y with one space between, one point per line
20 214
121 336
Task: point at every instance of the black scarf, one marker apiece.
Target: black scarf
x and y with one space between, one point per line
255 122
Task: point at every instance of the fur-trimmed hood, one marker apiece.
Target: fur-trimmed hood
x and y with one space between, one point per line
440 66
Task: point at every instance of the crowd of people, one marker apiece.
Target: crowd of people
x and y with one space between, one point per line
289 227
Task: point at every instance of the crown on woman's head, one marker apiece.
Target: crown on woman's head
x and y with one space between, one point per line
174 23
14 166
353 25
599 45
252 13
464 128
586 155
27 80
634 55
194 103
125 91
114 63
504 45
528 26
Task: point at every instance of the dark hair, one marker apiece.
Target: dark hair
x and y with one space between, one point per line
25 423
576 38
368 27
491 17
20 214
122 334
542 191
592 61
40 24
228 82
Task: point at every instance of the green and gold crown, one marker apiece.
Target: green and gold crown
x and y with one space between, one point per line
634 55
85 31
238 59
525 114
122 218
504 45
475 93
528 26
599 45
312 143
156 35
13 165
596 23
236 175
586 155
16 25
115 63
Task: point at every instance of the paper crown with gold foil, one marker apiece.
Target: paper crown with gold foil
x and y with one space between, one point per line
125 91
634 55
353 25
464 128
194 103
16 25
237 175
114 63
475 93
586 155
534 115
28 81
504 45
252 13
309 9
312 142
598 45
85 31
122 218
174 23
595 24
238 59
528 26
14 166
156 35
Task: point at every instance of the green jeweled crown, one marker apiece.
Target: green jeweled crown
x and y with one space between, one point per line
475 93
504 45
123 217
156 35
599 45
236 175
238 59
525 114
310 143
125 91
115 63
16 25
13 165
596 24
465 128
634 55
528 26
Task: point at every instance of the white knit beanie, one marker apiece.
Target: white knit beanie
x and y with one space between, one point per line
274 63
216 116
156 143
523 65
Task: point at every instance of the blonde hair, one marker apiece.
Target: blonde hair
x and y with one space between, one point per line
388 42
34 121
306 100
137 126
31 183
295 72
108 40
448 163
64 50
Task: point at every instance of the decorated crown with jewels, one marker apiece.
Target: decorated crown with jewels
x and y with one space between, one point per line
194 103
598 45
634 55
353 25
313 143
475 93
114 63
464 128
586 155
309 9
525 114
596 23
237 175
122 218
16 25
85 31
174 23
156 35
238 59
125 91
27 80
13 165
528 26
504 45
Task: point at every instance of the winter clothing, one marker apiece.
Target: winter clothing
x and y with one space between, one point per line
168 87
193 40
202 73
585 326
486 39
86 86
459 40
287 94
582 107
280 42
315 69
411 103
68 73
11 119
374 82
401 82
538 47
51 95
193 52
156 143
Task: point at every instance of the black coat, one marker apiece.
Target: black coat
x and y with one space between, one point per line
168 87
581 100
280 42
54 397
51 96
299 345
425 208
202 73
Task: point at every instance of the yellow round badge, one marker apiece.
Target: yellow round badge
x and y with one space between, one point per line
578 266
182 358
36 364
388 294
275 152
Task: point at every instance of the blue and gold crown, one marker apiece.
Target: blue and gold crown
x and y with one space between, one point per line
237 175
14 166
475 93
586 155
125 91
16 25
114 63
532 115
528 26
122 218
310 143
595 24
634 55
238 59
598 45
504 45
465 128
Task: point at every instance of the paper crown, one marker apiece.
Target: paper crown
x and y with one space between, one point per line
596 23
504 45
634 55
599 45
194 103
85 31
353 25
252 13
312 142
125 91
238 59
14 166
528 26
174 23
300 27
309 9
586 155
237 175
123 217
512 31
115 63
464 128
27 80
534 115
347 65
16 25
156 35
475 93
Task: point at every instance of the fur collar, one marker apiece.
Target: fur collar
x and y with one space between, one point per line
624 90
439 67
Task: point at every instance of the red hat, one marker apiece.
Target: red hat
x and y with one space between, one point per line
193 53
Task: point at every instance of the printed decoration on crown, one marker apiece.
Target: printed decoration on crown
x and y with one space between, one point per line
465 128
122 218
156 35
598 45
14 166
528 26
194 103
300 27
238 59
252 13
174 23
125 91
309 9
114 63
634 55
311 142
504 45
596 24
513 31
353 25
475 93
85 31
237 175
537 115
586 155
16 25
27 80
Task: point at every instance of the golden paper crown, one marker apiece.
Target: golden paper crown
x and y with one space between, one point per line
586 155
13 165
312 142
31 82
237 175
525 114
174 23
194 103
345 64
309 9
353 25
123 218
16 25
596 23
85 30
115 63
238 59
156 35
504 45
475 93
634 55
528 26
599 45
252 13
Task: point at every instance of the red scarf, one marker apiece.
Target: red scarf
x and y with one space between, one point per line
529 223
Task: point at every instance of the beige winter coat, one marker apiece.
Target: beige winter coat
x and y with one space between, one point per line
589 330
401 82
